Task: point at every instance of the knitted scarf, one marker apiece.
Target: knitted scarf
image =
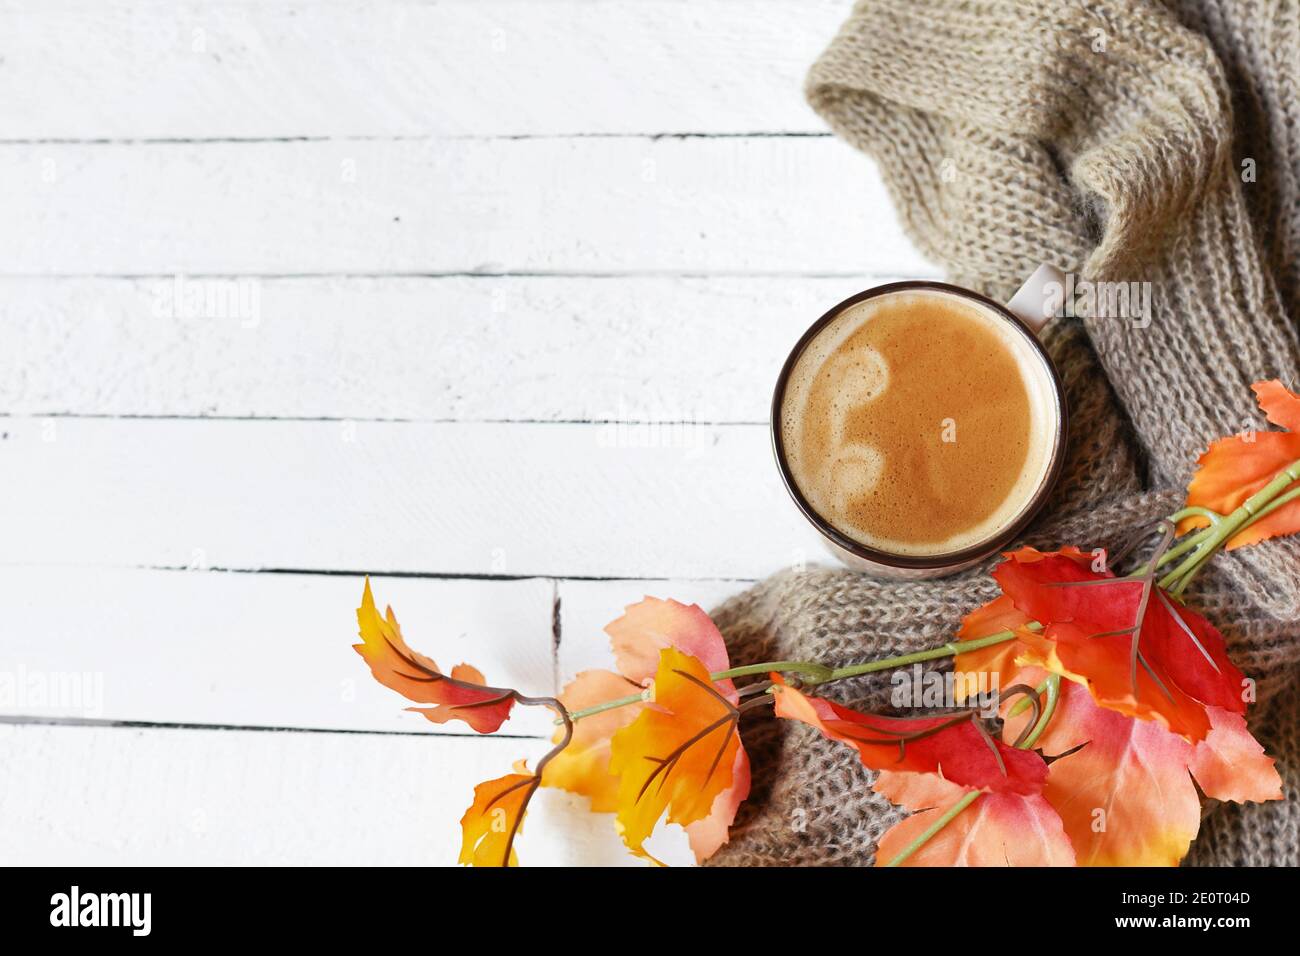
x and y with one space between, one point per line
1126 140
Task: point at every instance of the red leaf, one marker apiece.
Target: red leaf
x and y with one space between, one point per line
1000 614
1186 655
953 746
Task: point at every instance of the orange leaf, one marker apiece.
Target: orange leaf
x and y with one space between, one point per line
1000 614
680 755
955 746
1280 404
998 829
707 836
1235 468
461 696
1126 798
494 819
583 766
1230 764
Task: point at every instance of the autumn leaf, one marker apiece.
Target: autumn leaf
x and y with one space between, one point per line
1231 765
583 766
998 829
706 836
1235 468
994 617
494 819
1000 614
1281 406
462 695
1125 796
955 746
649 626
680 755
638 639
930 765
1170 667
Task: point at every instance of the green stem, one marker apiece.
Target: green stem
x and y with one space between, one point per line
1247 513
1049 708
1193 560
816 672
821 674
1273 505
1189 542
1195 511
943 650
1264 512
1020 706
607 705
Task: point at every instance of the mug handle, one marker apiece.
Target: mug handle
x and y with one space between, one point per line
1040 298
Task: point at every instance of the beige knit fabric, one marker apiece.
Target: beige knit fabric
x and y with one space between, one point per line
1108 138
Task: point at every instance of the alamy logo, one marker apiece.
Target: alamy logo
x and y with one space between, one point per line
102 909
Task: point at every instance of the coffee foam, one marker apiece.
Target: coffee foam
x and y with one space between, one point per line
831 481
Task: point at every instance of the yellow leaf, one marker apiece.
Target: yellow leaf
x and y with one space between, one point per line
494 819
680 753
583 766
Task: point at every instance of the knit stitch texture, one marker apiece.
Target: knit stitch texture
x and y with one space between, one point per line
1130 140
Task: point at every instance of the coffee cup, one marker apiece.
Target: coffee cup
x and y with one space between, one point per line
920 426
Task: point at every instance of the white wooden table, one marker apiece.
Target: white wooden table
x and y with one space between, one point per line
485 299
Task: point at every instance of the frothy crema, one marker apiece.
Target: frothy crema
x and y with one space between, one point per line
919 422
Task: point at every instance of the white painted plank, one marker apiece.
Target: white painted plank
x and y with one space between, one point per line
732 205
562 500
93 796
508 348
587 606
118 69
196 647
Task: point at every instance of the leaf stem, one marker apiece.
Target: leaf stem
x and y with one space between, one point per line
1189 542
1049 708
607 705
949 649
816 672
1019 706
1247 513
